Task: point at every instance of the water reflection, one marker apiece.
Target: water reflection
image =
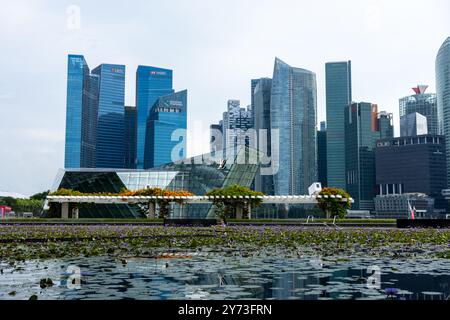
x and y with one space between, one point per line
213 276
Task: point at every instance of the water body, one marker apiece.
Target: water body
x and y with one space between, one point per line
215 276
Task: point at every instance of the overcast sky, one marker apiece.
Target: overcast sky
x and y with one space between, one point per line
214 48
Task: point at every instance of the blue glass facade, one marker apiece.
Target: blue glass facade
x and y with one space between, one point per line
151 83
169 114
89 122
81 114
111 112
293 112
338 98
443 96
130 137
261 120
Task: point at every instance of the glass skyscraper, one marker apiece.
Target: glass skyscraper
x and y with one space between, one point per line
338 98
81 111
363 127
163 143
293 112
443 95
130 137
322 154
151 83
423 103
111 114
261 116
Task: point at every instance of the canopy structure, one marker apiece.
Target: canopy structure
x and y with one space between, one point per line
302 199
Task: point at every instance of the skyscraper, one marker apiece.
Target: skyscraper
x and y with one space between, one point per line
385 125
413 124
111 114
293 112
261 115
81 114
130 137
443 95
338 98
216 139
236 122
362 130
151 83
322 154
166 130
423 103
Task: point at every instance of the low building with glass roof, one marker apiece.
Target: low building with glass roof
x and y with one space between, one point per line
197 175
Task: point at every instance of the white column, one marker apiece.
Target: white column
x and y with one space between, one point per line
249 208
65 210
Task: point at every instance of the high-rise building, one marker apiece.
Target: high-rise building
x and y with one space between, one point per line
166 130
443 95
215 141
414 164
111 115
338 98
293 112
81 114
151 83
413 124
322 154
236 122
422 103
385 124
130 137
362 130
261 115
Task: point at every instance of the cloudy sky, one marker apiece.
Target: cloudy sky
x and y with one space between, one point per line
214 48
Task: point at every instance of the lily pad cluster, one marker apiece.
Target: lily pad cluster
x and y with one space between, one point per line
25 242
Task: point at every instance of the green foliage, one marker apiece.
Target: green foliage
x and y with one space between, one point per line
40 196
22 205
334 207
226 208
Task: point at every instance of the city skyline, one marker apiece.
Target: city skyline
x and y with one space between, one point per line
40 135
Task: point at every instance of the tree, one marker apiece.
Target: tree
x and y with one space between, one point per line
40 196
226 208
334 207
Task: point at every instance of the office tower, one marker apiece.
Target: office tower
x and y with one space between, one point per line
422 103
338 98
130 137
322 154
443 95
362 130
293 112
385 124
151 83
261 115
166 130
413 124
81 114
111 115
414 164
215 141
253 84
236 122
